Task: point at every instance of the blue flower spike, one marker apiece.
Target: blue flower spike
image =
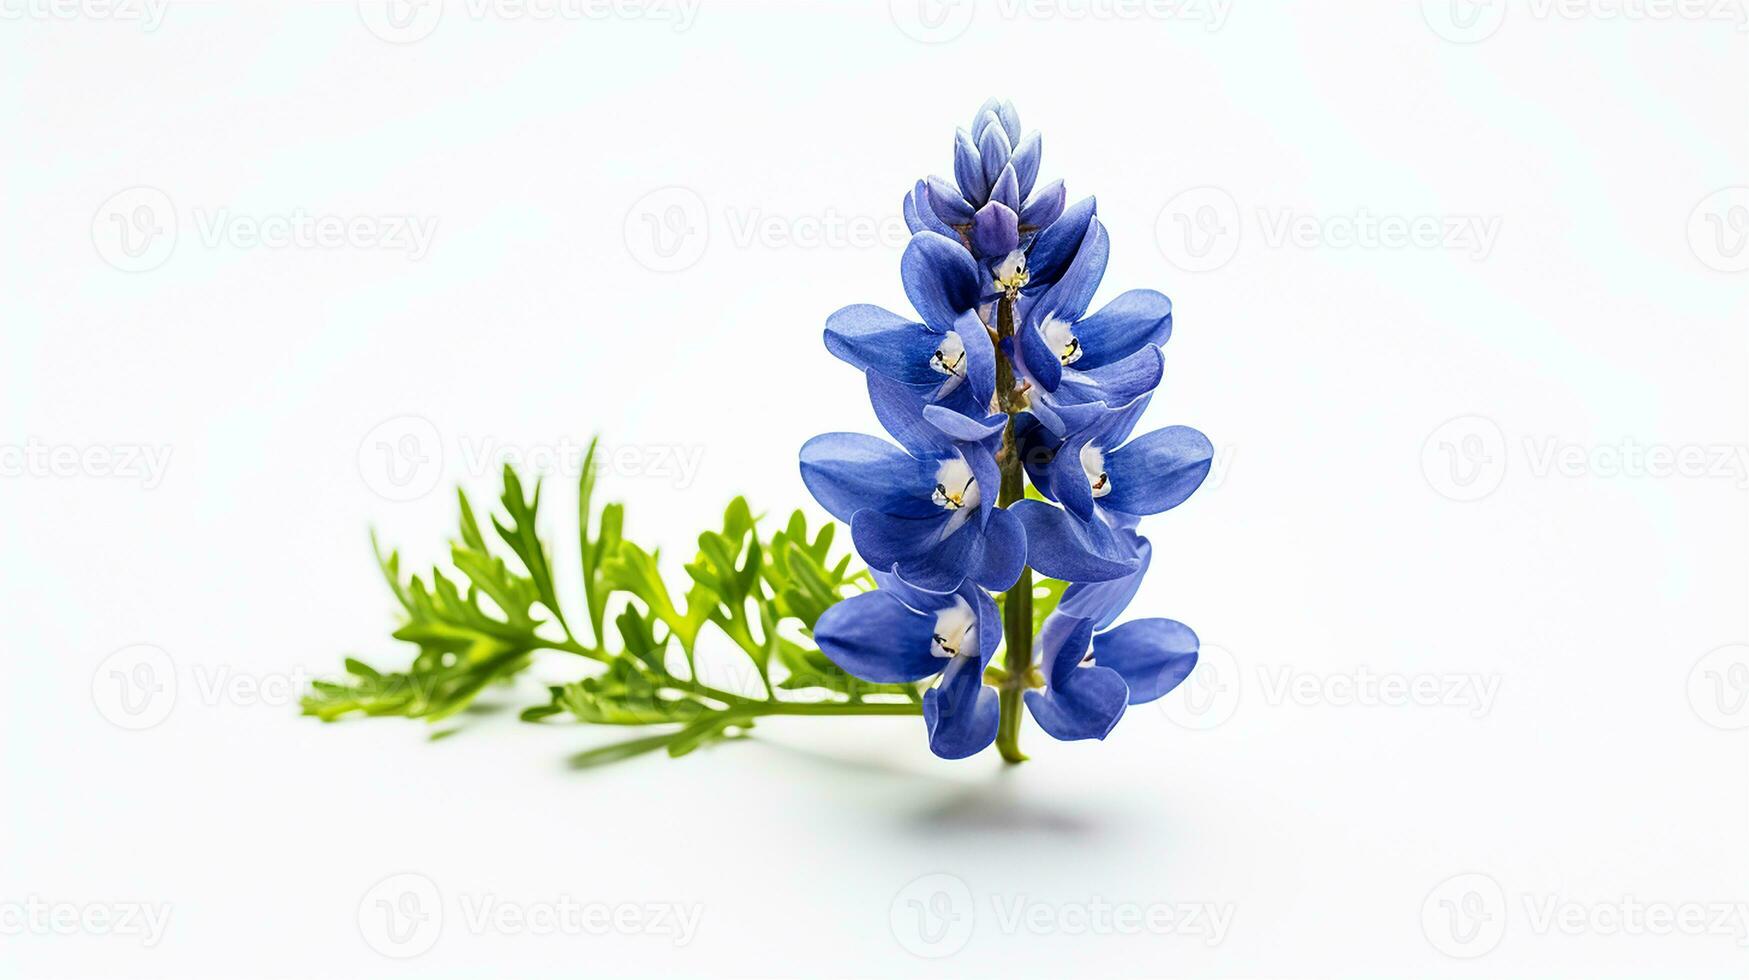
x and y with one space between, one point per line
1005 378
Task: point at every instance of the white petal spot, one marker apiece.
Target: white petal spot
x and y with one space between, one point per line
956 631
1011 272
949 357
1093 464
1061 338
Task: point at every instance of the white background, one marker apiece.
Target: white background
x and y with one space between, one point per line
1349 534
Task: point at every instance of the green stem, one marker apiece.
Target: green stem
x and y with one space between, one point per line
1017 602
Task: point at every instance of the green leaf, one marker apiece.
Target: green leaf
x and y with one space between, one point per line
523 539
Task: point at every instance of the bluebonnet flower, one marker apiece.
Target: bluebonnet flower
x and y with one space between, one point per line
1105 482
926 512
1090 679
992 205
949 357
898 634
1006 376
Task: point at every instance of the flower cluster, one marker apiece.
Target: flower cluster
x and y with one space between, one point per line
1004 379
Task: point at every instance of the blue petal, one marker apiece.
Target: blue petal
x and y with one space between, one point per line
1055 247
1043 207
1069 298
871 338
900 411
1025 163
847 472
920 212
996 229
1103 602
964 428
994 149
1077 702
1116 428
961 713
1004 553
980 357
878 638
968 169
1152 655
914 548
949 204
1062 547
941 278
1062 643
989 622
1158 471
1010 121
1085 706
1045 366
1119 383
986 115
1064 474
1123 326
1007 190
